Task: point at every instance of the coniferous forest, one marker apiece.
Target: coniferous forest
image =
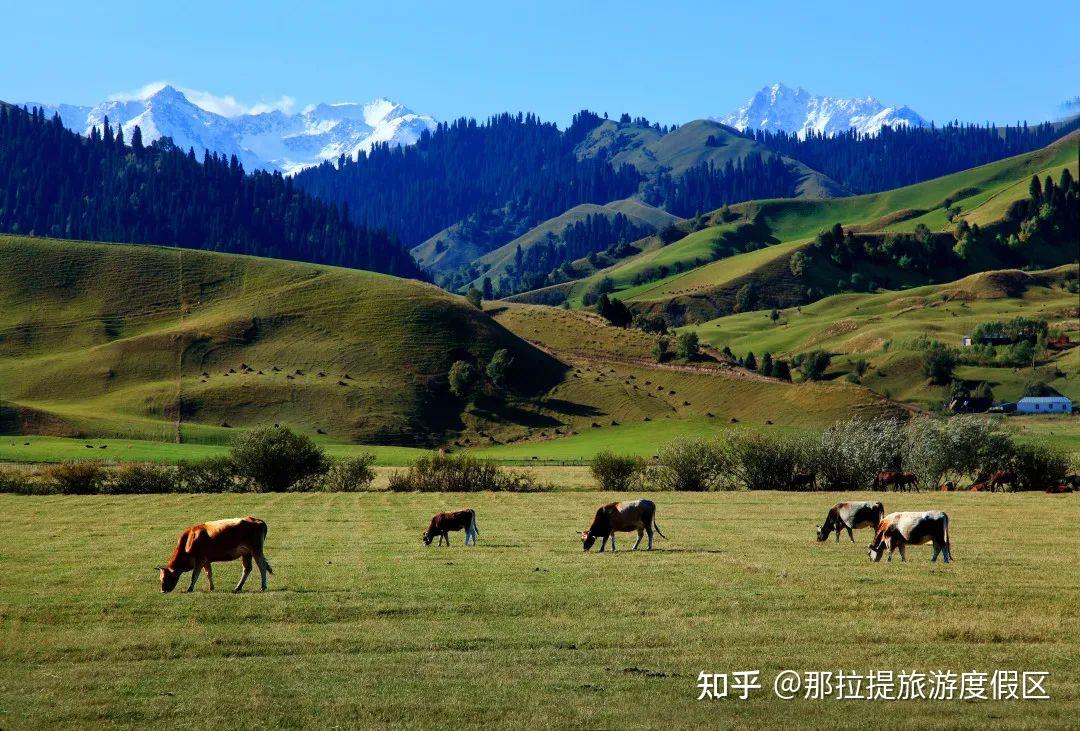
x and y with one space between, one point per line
706 187
512 161
905 155
54 182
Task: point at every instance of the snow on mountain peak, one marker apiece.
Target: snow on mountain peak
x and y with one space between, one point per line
263 136
779 107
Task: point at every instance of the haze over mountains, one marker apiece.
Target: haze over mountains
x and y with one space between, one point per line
779 108
261 139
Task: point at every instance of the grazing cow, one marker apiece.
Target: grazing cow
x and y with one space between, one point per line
898 530
900 480
848 516
949 486
639 515
443 523
803 480
1000 479
217 540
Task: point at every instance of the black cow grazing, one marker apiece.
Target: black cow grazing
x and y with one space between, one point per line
443 523
849 515
639 515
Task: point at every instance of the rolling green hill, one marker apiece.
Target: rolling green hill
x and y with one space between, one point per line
687 146
885 330
698 288
148 341
134 342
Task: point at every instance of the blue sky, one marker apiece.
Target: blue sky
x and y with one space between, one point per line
669 61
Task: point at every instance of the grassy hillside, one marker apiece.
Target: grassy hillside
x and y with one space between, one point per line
152 342
705 288
494 263
687 146
884 328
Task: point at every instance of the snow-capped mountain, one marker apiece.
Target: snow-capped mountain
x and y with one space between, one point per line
266 140
779 107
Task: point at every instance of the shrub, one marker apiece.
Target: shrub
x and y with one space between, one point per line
851 452
690 464
686 345
475 297
760 461
938 364
660 350
463 377
813 365
76 478
1038 466
439 473
350 475
616 472
21 482
216 474
141 479
499 368
948 449
276 458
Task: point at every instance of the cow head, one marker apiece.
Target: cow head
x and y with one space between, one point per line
823 532
169 577
877 546
427 538
587 539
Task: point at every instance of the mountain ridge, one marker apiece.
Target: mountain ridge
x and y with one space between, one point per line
271 140
781 108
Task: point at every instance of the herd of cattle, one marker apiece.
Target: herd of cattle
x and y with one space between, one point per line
243 538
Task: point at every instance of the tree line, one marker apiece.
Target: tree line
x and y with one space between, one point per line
512 163
707 186
904 155
54 182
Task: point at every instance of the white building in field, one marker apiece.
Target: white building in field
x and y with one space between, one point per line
1044 405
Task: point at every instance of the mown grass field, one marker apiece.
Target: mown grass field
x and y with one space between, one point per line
364 626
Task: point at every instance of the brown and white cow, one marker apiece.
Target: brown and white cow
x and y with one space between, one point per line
898 530
639 515
849 515
213 541
443 523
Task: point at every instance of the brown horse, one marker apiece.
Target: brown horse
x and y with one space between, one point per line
899 480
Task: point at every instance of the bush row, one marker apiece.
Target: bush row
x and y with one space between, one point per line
452 473
846 456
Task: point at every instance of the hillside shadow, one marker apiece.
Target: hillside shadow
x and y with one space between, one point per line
571 408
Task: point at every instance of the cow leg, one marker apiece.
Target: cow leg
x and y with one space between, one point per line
850 535
903 554
603 543
447 539
194 577
947 553
209 576
246 560
440 539
640 535
648 529
264 569
613 543
937 550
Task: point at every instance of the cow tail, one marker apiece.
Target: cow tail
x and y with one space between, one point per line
947 535
656 526
262 544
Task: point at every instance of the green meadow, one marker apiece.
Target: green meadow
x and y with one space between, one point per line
364 626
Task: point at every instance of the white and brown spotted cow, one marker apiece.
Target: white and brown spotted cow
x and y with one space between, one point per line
213 541
898 530
639 515
850 515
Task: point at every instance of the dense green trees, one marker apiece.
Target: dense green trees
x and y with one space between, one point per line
511 165
54 182
706 187
906 155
